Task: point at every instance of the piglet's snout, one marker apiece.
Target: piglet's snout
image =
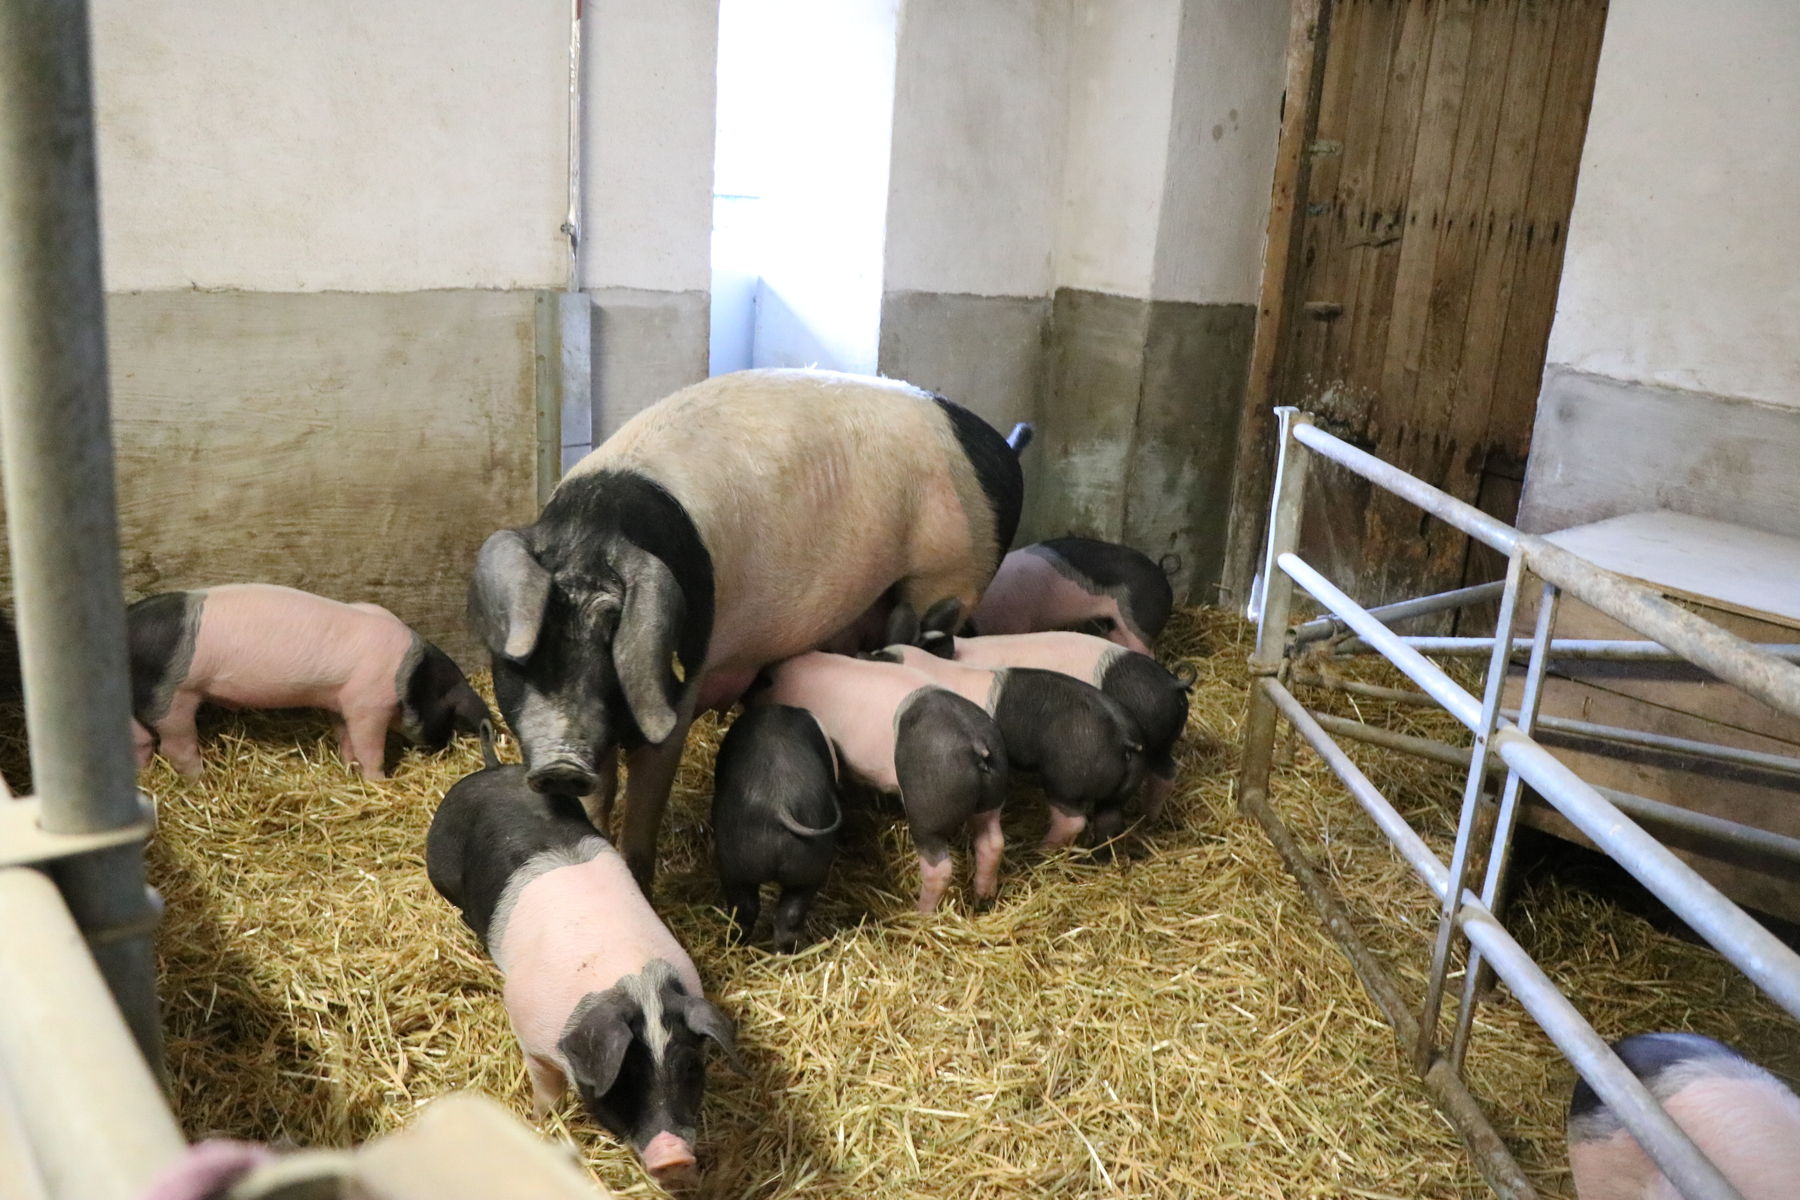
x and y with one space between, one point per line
562 777
670 1159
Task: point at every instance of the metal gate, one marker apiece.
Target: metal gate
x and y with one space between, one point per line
1484 832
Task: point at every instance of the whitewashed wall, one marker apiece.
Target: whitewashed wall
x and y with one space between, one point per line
1683 261
335 145
1676 345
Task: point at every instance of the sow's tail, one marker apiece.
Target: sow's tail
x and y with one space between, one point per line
488 757
1021 436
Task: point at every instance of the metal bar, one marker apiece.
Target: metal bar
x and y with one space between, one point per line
1755 951
1468 835
1758 760
56 440
1580 649
1499 858
1442 505
1702 643
1667 1144
95 1116
1681 1161
1492 1158
1387 614
1642 808
1781 764
1277 598
1438 686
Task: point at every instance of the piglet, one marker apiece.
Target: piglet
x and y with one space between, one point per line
1156 699
257 645
1085 748
775 815
1740 1116
1079 583
598 990
895 731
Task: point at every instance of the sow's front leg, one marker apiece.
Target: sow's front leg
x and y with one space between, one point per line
649 776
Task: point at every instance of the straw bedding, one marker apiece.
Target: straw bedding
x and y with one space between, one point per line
1176 1024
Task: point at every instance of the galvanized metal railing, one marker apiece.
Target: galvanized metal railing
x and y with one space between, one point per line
84 1113
1503 747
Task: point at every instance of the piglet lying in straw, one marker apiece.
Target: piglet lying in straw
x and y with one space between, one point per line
1083 584
1086 751
775 816
896 731
598 990
1738 1115
256 645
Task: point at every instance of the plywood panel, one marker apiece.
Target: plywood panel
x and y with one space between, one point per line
360 446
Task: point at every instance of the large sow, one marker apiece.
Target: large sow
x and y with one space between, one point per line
732 525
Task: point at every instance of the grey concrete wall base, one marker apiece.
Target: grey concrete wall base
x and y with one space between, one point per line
1603 447
645 344
987 353
1140 423
357 445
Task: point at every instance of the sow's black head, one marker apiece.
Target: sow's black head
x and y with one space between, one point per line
437 701
597 616
636 1053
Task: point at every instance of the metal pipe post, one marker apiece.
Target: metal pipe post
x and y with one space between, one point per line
55 434
95 1117
1499 857
1573 649
1277 600
1387 614
1468 838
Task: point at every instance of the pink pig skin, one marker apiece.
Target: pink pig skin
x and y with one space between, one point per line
575 930
1028 595
855 702
264 646
1750 1128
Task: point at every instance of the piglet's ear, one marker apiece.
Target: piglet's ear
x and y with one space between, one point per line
594 1045
705 1019
508 595
903 625
644 646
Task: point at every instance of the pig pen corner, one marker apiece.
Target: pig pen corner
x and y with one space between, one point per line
1177 1023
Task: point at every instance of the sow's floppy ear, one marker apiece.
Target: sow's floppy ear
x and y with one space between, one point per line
644 646
595 1041
508 595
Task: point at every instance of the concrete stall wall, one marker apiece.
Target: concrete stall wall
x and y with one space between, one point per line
1076 219
324 230
650 82
1673 372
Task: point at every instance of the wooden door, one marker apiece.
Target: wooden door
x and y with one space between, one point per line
1415 248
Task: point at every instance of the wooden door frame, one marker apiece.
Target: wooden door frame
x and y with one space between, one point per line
1253 467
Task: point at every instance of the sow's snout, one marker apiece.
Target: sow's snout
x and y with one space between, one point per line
562 777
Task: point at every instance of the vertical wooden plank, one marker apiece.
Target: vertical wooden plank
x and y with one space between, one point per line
1308 37
1523 332
1341 146
1568 95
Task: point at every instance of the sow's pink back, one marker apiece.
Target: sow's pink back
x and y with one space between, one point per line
265 646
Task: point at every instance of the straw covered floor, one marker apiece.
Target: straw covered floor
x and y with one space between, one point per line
1175 1024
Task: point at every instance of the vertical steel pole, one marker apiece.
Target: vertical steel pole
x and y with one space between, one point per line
55 435
1466 835
1277 599
1499 857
